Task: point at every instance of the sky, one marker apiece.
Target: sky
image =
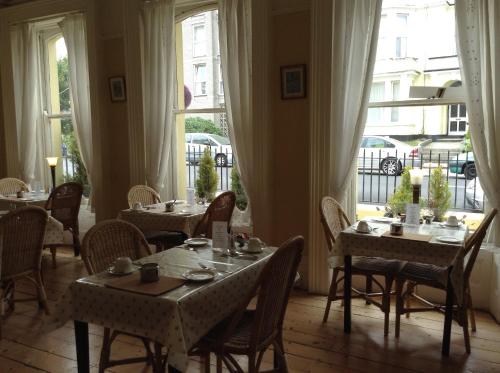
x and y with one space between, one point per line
61 51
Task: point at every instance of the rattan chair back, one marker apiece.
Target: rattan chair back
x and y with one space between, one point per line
11 185
22 232
221 209
333 219
474 241
143 194
110 239
64 204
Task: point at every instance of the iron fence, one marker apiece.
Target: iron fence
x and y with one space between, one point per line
377 182
223 159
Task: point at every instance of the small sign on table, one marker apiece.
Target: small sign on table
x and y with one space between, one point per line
219 234
413 213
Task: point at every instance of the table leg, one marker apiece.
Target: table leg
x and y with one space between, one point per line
448 316
82 346
347 293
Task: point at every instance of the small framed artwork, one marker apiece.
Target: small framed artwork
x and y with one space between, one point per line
117 88
293 82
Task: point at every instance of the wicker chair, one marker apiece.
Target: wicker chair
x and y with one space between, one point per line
251 332
162 240
430 275
64 205
102 244
221 209
11 185
334 220
22 232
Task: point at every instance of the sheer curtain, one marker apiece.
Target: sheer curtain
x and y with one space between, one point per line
75 36
344 48
159 89
478 32
235 38
29 115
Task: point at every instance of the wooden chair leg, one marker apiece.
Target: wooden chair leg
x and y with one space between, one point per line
279 352
386 303
331 294
158 359
410 288
471 310
105 350
252 368
399 304
219 364
42 296
368 287
205 362
76 240
465 327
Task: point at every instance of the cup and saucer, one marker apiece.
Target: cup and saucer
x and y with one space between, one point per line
363 227
122 266
451 222
253 246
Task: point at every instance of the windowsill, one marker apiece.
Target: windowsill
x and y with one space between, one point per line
201 95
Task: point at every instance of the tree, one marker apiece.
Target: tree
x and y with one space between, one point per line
237 188
198 124
439 194
206 184
63 77
79 173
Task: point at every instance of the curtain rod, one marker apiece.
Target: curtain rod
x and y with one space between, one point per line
45 18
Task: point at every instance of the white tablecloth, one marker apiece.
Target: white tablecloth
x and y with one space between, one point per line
434 252
177 319
34 199
183 219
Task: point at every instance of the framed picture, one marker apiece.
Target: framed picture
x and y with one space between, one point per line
117 88
293 82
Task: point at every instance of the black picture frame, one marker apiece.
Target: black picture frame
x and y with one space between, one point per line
117 89
293 82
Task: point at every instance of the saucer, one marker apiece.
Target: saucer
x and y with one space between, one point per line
245 249
111 270
197 242
199 275
448 239
370 229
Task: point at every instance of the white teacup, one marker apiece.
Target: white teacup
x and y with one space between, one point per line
137 206
123 264
452 221
363 226
255 245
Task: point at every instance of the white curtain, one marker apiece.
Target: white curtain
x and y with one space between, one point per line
478 32
354 48
344 47
235 38
29 115
75 36
159 92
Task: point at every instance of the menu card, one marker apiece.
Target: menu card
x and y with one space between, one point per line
413 213
219 234
190 196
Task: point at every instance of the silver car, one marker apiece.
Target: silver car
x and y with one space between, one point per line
389 156
474 194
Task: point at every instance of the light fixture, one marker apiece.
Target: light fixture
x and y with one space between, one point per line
416 178
52 161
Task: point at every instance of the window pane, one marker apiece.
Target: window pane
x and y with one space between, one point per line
453 126
453 111
463 111
462 126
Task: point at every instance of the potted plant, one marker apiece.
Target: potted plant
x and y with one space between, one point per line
439 194
237 188
403 195
206 184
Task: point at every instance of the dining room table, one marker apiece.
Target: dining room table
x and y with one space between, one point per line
435 243
149 218
177 318
11 201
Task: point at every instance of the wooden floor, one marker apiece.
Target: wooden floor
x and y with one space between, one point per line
311 346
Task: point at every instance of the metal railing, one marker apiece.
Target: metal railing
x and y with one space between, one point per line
377 181
224 161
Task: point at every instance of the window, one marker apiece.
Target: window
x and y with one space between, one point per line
457 119
221 83
374 142
200 80
395 97
199 42
377 93
401 34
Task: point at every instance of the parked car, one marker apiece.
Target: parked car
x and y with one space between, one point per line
387 155
474 194
463 164
220 147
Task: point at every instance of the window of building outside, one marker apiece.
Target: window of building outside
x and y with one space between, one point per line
201 115
57 106
404 127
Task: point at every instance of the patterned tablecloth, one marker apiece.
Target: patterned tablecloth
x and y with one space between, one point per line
34 199
177 319
154 218
54 231
432 252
